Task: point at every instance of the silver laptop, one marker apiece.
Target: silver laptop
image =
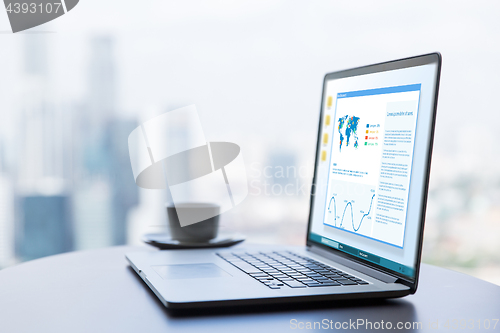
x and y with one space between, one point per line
367 207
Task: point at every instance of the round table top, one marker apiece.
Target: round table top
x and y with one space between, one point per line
96 291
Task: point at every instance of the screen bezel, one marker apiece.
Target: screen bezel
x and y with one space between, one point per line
426 59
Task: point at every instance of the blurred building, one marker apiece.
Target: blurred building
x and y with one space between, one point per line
7 255
44 225
281 171
98 109
92 214
124 193
6 220
46 229
101 90
104 187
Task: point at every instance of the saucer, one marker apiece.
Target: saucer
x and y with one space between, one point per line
165 242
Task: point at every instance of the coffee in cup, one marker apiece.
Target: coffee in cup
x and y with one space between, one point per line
199 232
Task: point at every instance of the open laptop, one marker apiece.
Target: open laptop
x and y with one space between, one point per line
367 208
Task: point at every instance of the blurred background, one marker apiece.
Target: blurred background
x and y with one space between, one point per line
73 89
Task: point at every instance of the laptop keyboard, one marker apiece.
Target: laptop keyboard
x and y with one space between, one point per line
279 269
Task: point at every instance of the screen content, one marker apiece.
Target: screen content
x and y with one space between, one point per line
372 163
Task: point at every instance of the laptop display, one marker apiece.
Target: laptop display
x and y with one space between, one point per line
367 206
372 163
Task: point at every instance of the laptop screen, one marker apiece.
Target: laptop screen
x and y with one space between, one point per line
373 160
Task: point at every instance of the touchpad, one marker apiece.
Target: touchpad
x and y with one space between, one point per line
190 271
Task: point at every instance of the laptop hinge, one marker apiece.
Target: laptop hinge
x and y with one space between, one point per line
354 265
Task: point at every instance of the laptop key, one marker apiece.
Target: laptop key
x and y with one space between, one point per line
286 279
271 272
235 259
277 276
321 271
294 284
313 275
322 279
331 284
320 276
259 276
270 281
333 276
308 282
325 285
346 282
247 268
312 267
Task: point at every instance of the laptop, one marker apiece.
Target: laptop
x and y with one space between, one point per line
367 204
